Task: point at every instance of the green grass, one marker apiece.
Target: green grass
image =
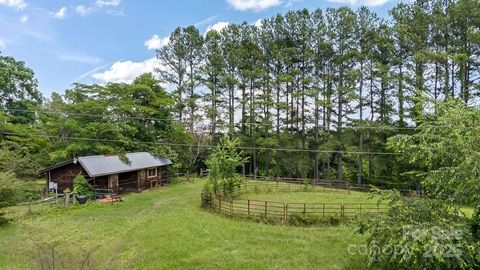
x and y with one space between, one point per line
340 197
167 229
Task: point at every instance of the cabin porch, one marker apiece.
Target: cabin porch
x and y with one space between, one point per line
133 181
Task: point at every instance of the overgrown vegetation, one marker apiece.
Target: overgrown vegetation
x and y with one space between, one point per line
430 232
445 152
300 220
82 187
419 233
8 192
223 178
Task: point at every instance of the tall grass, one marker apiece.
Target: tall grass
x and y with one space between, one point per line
167 229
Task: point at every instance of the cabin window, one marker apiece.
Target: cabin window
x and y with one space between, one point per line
152 172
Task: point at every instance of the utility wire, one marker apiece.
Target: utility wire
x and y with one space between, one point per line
171 119
85 114
206 146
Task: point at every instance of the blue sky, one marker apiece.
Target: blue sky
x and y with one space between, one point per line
96 41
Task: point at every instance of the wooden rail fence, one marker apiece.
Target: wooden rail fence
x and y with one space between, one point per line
285 211
265 186
321 184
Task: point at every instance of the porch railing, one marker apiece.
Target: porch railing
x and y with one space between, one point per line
102 192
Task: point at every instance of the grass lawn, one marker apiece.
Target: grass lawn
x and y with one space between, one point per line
167 229
340 197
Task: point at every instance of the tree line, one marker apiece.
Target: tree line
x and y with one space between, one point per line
308 94
333 79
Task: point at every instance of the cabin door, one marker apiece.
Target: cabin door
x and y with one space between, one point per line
141 179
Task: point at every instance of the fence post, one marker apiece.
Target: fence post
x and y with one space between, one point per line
266 207
304 210
378 208
248 208
323 210
285 211
342 210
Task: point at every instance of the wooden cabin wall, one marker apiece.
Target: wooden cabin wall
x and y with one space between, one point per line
64 176
142 175
163 174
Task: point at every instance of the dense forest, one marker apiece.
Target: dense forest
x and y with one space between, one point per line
309 94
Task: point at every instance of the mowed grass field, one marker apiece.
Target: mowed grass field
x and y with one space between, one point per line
336 197
166 229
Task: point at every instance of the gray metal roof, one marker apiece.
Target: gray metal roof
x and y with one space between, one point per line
110 164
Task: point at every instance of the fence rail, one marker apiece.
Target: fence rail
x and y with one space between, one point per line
266 186
323 185
286 211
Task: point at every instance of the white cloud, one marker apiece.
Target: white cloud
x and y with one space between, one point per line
156 42
78 57
255 5
90 72
217 26
126 71
110 3
204 21
368 3
18 4
116 12
374 3
82 10
106 6
292 2
24 18
2 44
61 13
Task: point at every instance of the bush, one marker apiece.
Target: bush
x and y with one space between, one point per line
82 187
475 223
10 192
30 191
418 233
301 220
207 196
223 179
306 186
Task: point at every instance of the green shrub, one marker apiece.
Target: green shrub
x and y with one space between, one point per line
418 233
9 192
306 185
29 191
207 196
223 179
475 223
82 187
307 220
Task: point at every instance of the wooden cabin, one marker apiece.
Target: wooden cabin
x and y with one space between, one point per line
132 172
